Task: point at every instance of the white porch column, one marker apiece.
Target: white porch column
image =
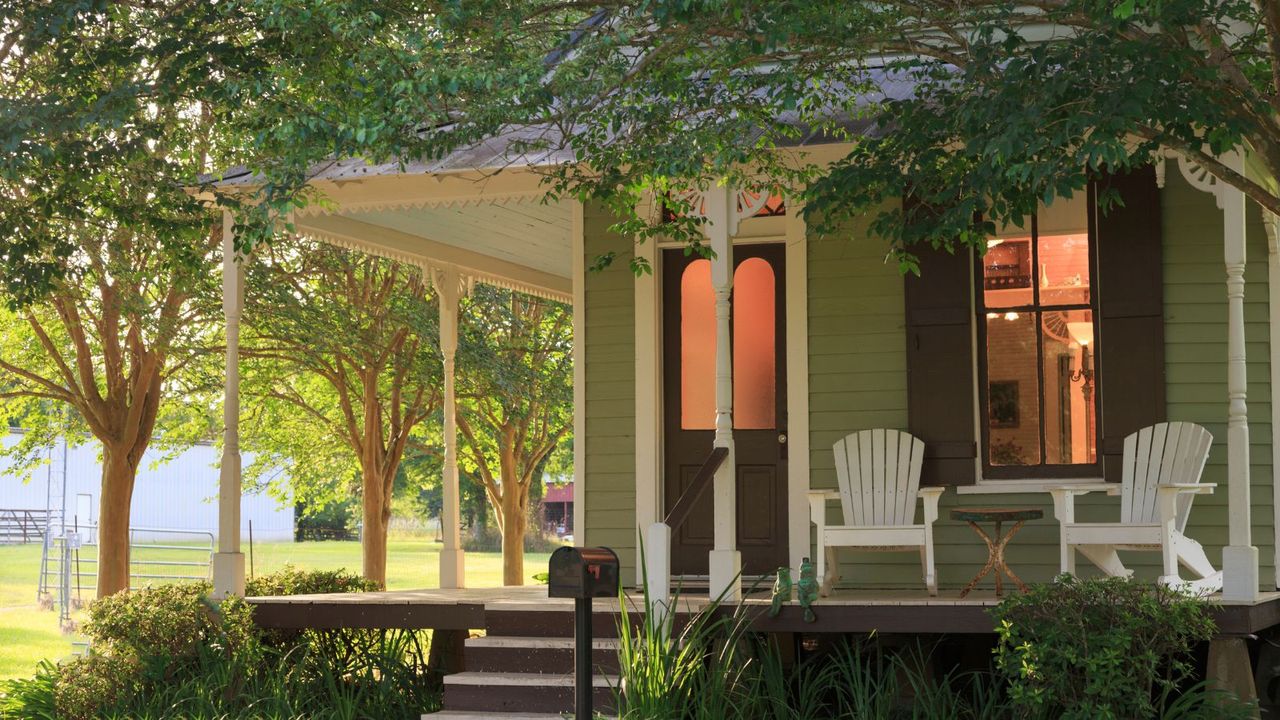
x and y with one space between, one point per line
228 562
1240 557
725 560
450 286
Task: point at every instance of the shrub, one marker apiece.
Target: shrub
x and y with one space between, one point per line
87 686
1104 648
292 581
166 621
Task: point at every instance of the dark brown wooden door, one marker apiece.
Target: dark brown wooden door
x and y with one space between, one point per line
760 400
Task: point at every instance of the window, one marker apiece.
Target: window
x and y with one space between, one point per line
754 333
1037 349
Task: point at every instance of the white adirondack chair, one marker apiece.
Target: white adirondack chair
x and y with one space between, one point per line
1162 466
879 474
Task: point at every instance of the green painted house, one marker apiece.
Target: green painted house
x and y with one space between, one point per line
993 402
1021 369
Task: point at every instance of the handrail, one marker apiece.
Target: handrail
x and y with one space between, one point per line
684 506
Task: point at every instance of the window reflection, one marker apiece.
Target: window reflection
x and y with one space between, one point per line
1013 389
1069 409
754 346
1040 352
697 348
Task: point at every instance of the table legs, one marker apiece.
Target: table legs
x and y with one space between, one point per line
995 559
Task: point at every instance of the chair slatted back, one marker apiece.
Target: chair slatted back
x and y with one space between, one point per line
879 474
1162 454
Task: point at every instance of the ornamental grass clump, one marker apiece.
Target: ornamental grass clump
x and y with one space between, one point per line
706 663
1109 648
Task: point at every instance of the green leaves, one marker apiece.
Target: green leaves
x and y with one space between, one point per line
1107 648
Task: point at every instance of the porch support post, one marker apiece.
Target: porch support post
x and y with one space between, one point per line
450 287
228 562
1240 557
1272 224
725 561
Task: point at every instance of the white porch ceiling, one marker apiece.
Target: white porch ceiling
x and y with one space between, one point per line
526 232
517 242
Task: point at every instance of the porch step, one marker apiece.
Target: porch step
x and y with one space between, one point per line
523 667
540 655
551 623
499 693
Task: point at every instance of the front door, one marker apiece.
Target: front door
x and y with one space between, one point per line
759 402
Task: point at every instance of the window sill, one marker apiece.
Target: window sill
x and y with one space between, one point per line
1029 485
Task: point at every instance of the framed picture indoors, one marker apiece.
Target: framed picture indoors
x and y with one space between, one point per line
1003 403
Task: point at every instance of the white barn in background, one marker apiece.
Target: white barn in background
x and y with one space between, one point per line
180 494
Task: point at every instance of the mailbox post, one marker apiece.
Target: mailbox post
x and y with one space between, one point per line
582 574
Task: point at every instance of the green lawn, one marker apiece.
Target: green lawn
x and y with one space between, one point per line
28 634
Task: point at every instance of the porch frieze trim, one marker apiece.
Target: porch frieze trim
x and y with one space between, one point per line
347 244
1198 177
427 267
424 203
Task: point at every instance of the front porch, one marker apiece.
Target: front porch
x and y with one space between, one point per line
527 609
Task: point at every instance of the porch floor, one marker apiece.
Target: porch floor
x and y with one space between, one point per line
885 611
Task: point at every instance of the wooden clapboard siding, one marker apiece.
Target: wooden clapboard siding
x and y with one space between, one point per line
857 374
609 488
857 344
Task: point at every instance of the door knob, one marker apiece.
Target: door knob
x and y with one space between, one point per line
782 438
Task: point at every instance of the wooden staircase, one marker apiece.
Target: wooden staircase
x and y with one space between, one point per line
523 668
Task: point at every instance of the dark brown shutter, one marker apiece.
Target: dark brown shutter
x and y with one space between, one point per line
940 365
1130 288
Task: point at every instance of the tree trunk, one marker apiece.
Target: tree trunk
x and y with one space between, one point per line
118 474
513 527
373 535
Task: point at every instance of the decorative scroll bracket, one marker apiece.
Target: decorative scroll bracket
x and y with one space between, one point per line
1198 177
1271 222
451 284
747 203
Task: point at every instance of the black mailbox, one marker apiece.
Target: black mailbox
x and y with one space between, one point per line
583 573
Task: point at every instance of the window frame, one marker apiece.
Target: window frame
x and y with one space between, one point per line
1042 470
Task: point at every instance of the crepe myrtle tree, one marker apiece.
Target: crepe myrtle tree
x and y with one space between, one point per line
348 343
116 352
110 309
515 402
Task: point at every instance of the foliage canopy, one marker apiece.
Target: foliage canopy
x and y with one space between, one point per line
980 109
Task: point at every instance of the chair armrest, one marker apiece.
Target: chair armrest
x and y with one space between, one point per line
818 506
1167 497
930 496
1179 488
1085 488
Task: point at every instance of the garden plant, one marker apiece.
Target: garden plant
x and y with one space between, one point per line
1072 649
